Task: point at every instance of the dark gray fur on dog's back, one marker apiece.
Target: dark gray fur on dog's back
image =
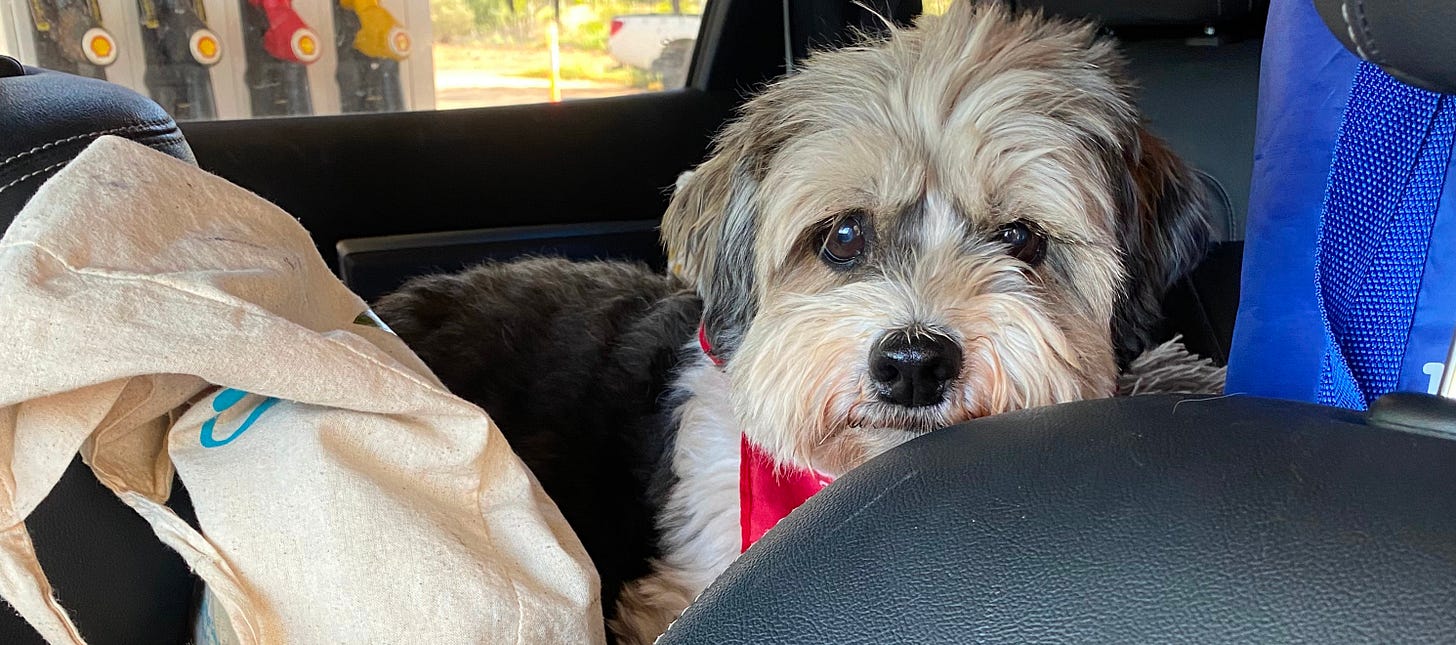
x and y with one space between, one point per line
571 360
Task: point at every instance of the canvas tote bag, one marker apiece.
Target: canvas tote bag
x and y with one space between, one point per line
157 319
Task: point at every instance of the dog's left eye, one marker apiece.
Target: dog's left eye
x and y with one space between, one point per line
845 240
1023 242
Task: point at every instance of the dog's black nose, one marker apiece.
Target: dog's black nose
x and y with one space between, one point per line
913 368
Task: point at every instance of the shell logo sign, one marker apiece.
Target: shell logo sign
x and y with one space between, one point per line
399 42
305 46
205 47
98 46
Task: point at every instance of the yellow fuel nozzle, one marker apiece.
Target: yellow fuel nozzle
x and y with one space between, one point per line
380 35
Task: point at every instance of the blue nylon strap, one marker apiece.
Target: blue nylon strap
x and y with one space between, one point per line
1384 189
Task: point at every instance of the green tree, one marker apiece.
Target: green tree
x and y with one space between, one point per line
453 20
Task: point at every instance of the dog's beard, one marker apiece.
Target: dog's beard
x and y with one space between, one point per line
800 380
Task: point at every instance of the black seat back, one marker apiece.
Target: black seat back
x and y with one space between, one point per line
1196 64
375 266
46 118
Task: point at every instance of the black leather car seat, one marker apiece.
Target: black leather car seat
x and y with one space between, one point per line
120 584
1134 520
48 117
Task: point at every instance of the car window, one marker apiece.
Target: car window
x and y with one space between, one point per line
228 59
934 7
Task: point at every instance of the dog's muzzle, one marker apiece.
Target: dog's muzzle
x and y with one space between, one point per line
913 368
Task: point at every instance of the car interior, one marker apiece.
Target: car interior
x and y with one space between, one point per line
1244 508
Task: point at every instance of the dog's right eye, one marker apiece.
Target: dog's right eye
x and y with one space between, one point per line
845 240
1023 241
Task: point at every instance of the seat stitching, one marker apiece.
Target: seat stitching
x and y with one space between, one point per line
1365 30
32 174
1369 53
98 133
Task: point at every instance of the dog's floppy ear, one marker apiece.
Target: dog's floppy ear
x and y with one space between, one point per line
693 223
709 232
1165 234
711 226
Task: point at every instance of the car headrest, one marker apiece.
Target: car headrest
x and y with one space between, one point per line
49 117
1158 13
1409 39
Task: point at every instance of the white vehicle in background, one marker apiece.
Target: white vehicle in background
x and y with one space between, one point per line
658 43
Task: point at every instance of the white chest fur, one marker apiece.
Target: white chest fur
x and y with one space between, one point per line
700 524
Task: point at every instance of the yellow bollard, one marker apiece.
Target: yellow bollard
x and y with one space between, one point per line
555 46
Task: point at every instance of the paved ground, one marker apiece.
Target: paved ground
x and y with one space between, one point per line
465 88
482 75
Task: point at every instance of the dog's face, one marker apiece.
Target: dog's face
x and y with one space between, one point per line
962 220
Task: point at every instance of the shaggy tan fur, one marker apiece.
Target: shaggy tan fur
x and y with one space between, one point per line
940 134
937 138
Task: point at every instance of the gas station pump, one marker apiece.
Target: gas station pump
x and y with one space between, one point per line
370 43
69 37
278 47
179 50
234 59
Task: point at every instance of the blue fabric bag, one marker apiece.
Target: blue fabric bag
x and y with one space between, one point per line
1349 289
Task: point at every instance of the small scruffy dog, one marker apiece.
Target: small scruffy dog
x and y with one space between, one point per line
963 219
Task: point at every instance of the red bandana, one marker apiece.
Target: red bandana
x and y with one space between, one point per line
765 497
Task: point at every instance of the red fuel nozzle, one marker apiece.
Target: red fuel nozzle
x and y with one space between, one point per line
288 37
